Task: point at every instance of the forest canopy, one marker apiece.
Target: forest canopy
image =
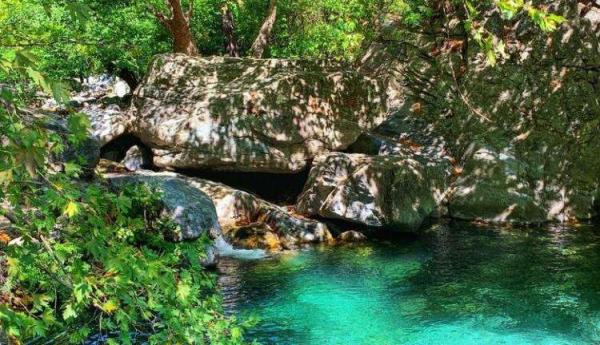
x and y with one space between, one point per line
73 39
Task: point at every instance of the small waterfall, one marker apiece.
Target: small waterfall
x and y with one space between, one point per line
225 249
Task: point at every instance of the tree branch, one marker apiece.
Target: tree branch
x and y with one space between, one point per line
190 11
160 17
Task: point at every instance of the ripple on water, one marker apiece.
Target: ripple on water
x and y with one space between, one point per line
457 285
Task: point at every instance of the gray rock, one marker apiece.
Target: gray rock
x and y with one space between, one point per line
351 236
107 122
238 213
379 191
492 189
540 107
135 159
249 114
268 222
191 209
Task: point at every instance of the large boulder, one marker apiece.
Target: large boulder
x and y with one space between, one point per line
535 114
251 222
191 209
379 191
242 218
250 114
107 121
492 189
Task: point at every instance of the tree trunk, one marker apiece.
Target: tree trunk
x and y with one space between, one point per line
179 27
260 44
228 27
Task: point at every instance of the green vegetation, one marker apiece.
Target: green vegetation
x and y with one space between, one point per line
91 261
73 39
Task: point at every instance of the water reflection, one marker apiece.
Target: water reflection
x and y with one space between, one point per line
457 284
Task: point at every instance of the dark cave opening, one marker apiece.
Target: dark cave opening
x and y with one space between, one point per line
116 149
282 189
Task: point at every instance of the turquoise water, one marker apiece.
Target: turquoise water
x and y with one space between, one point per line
456 284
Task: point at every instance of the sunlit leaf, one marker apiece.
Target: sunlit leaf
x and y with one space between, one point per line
110 306
69 312
72 209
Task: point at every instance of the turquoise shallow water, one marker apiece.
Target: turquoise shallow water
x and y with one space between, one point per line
455 284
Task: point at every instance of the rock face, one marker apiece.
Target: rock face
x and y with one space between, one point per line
490 190
351 236
199 205
248 114
103 99
135 159
191 209
378 191
107 122
252 222
524 133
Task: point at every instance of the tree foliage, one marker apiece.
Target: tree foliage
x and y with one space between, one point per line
80 260
81 37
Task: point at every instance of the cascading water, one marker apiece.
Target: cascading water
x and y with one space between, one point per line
225 249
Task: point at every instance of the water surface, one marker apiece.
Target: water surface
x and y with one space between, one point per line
456 284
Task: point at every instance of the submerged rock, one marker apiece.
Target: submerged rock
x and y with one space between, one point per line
378 191
249 114
191 209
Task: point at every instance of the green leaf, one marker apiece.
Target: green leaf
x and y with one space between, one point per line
79 12
110 306
82 292
69 312
6 177
39 80
183 291
72 209
59 91
72 169
24 59
78 125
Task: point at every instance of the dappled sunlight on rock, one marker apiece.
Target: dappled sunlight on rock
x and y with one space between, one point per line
540 107
249 114
379 191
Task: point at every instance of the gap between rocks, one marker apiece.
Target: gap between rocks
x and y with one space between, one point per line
280 189
277 188
116 149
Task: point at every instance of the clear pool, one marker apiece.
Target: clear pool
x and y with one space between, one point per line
455 284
